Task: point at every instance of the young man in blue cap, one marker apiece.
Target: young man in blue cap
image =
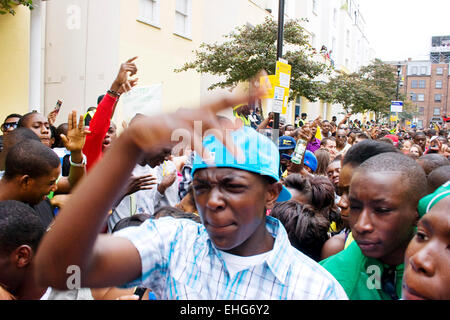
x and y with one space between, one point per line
237 253
286 146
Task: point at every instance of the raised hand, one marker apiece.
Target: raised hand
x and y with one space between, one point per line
52 117
305 132
76 133
122 83
140 183
166 182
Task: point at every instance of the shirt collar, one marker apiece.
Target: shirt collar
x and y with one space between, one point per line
278 260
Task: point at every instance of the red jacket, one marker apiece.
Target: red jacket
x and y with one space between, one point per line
98 127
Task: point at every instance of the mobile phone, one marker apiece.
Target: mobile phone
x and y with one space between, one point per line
58 105
140 292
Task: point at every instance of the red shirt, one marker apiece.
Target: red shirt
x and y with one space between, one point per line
98 127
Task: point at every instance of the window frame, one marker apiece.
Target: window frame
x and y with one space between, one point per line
424 86
436 95
157 21
187 34
419 95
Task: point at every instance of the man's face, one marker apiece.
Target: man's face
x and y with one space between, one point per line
331 146
231 204
39 125
381 217
345 177
420 140
341 138
333 171
284 162
289 129
111 135
427 258
326 128
40 187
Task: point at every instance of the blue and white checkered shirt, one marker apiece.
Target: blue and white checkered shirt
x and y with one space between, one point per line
179 261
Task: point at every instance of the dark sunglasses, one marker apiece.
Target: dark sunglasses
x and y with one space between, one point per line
8 125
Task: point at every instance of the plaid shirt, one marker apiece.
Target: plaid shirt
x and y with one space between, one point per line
179 261
183 186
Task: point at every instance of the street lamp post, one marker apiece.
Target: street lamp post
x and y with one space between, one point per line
276 115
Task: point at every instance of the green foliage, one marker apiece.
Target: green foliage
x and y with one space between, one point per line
248 50
6 6
372 88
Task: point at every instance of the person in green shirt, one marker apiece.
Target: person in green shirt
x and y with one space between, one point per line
427 275
383 197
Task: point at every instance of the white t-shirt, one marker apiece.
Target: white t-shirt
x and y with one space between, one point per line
75 294
236 264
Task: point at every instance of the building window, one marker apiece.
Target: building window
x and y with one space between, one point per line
149 12
422 84
414 70
438 97
420 97
183 18
438 84
413 97
423 70
436 111
421 110
439 71
414 84
420 123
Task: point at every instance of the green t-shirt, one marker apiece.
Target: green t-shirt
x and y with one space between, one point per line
360 276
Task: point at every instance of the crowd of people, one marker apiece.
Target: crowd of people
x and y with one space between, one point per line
364 215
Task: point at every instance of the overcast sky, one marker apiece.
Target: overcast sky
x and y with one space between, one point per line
402 29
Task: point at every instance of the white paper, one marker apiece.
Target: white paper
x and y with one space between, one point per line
285 80
145 100
278 93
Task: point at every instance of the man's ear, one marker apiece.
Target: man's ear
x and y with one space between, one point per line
24 181
273 191
22 256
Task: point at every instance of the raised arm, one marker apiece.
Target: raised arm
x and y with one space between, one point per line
73 240
101 120
74 142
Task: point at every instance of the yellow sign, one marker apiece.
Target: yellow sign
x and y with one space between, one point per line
279 85
283 74
394 118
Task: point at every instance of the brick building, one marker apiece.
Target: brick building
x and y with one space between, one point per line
426 84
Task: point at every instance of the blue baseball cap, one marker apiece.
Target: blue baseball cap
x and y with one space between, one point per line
310 160
260 156
286 143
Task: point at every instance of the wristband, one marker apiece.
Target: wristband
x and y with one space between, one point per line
114 93
80 165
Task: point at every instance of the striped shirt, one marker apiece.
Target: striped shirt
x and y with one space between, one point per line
179 261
